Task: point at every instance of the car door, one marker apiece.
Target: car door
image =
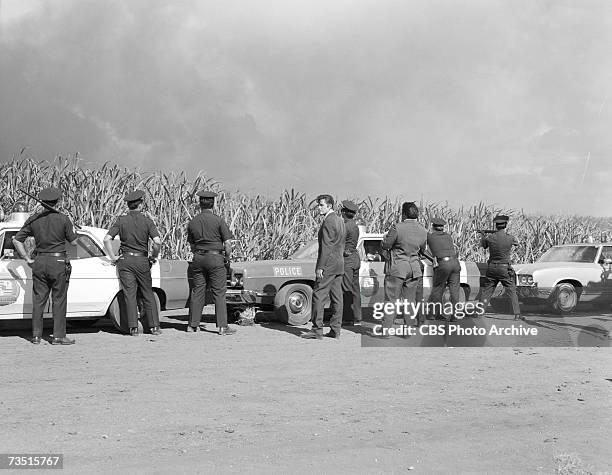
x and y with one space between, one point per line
371 272
15 279
605 261
94 281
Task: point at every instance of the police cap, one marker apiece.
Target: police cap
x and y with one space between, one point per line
50 194
349 205
134 195
206 194
501 218
438 221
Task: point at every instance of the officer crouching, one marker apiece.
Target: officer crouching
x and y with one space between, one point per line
134 265
210 239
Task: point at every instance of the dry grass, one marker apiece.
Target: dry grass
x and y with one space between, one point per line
264 228
570 464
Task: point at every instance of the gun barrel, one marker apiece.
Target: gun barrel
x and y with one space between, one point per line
49 207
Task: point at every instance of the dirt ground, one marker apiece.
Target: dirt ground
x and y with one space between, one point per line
266 401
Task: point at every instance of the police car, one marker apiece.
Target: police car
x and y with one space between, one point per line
286 285
94 291
567 275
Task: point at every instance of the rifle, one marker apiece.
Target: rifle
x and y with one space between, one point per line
45 205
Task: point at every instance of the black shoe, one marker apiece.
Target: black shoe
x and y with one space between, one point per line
191 329
226 331
156 331
63 341
356 324
134 331
332 334
519 317
36 340
312 335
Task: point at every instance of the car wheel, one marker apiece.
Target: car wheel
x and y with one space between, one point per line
564 298
462 295
142 316
117 312
293 304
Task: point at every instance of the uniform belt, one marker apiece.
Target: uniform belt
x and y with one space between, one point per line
447 258
499 263
209 251
136 254
52 254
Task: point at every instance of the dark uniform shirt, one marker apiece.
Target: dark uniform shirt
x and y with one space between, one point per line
405 240
51 230
500 246
134 229
352 237
208 232
441 244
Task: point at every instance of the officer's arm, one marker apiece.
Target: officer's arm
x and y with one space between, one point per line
390 238
156 247
22 251
228 248
108 239
484 242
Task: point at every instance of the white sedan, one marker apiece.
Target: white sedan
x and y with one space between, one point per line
94 290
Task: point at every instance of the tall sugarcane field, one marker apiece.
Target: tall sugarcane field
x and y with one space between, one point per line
266 227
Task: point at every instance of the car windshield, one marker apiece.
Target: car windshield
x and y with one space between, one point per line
569 254
307 251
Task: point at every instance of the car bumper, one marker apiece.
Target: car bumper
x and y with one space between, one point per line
240 297
533 292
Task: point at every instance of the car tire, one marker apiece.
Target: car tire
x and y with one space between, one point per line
118 314
463 291
564 298
293 304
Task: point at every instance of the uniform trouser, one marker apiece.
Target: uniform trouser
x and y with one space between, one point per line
135 276
330 285
49 275
351 294
408 289
500 273
447 273
208 269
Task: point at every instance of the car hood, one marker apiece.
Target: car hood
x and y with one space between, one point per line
539 266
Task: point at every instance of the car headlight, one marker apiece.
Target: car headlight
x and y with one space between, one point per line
526 280
236 280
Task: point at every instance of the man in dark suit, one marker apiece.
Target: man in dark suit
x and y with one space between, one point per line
406 242
329 270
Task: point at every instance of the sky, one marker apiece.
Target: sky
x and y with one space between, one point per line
502 102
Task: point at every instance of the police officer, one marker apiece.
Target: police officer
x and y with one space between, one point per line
499 269
134 265
50 269
448 269
210 240
406 242
350 282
